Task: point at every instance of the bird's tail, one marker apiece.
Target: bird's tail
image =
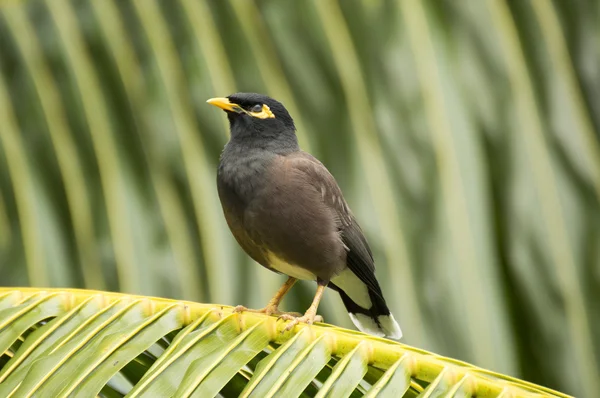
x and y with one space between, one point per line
376 320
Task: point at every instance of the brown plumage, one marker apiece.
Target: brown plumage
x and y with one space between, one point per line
288 213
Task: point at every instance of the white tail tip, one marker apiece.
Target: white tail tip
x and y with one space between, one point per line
388 327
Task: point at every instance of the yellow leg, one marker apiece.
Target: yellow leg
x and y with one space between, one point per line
310 315
272 307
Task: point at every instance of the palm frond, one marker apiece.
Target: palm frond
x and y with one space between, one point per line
63 343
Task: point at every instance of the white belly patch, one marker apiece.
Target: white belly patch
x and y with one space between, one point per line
290 269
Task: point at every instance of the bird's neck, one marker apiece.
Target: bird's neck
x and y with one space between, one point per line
280 142
244 148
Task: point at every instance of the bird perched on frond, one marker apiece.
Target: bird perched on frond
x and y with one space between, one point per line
288 213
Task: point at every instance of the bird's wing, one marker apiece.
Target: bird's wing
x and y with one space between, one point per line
359 256
316 175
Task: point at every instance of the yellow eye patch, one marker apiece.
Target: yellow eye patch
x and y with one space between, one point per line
264 113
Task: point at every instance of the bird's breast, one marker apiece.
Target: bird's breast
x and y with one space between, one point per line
244 172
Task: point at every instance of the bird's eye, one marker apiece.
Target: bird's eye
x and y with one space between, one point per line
256 108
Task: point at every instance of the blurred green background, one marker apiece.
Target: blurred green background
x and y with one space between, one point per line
465 135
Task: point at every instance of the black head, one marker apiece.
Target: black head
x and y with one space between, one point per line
256 115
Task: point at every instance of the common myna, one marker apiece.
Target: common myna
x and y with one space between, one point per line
288 213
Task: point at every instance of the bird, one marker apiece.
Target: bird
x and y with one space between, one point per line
287 212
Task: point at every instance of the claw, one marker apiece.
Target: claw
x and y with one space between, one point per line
288 317
240 308
268 310
295 320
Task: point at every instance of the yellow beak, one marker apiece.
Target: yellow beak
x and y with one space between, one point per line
224 104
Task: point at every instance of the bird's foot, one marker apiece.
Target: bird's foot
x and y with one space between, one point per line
294 320
241 308
268 310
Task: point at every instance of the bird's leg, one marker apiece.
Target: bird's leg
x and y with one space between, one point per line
310 316
272 307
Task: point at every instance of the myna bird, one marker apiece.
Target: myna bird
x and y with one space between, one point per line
288 213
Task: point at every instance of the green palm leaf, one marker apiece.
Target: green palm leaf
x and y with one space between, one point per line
82 343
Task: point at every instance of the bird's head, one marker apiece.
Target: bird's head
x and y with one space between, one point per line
256 115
